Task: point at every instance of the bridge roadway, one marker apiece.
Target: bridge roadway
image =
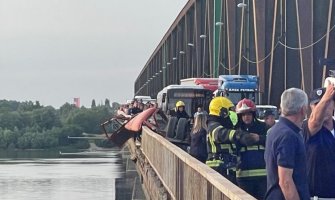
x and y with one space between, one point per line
168 172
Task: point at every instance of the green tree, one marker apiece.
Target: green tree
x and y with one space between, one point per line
26 106
10 137
90 119
24 141
10 120
115 105
46 117
68 130
66 110
107 103
93 105
8 106
26 120
37 104
28 125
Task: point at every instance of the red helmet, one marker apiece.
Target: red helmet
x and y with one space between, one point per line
245 106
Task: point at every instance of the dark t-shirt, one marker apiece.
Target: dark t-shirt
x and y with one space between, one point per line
320 151
134 111
285 148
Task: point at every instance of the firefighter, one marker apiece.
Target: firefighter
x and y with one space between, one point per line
250 172
269 118
222 136
179 111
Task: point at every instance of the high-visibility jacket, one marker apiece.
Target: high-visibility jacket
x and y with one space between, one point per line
251 158
221 143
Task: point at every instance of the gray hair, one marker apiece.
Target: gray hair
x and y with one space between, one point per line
292 100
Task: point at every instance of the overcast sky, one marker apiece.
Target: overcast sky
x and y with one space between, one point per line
54 50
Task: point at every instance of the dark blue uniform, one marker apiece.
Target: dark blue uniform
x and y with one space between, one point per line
179 114
285 148
320 150
221 139
250 172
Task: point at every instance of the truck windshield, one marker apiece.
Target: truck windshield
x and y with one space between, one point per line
235 97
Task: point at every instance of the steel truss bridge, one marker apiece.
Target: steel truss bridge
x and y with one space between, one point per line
284 42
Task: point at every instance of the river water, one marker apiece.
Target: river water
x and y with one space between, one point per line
45 175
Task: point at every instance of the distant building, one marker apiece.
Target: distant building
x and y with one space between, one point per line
76 102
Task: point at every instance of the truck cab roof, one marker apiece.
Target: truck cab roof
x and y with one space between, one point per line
183 87
238 83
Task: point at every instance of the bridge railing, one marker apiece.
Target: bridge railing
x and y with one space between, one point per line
183 176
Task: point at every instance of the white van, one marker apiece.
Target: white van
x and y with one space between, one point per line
260 111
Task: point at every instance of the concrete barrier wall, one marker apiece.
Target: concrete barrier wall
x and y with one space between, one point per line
183 176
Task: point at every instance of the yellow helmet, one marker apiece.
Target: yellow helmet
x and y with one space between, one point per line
180 103
216 105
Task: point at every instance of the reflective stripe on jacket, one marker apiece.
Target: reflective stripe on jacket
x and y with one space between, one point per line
251 158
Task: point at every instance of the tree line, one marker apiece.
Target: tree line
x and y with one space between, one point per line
29 125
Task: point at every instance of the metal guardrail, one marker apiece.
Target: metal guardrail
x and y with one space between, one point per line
183 176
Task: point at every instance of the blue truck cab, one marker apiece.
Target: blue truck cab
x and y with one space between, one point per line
237 87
